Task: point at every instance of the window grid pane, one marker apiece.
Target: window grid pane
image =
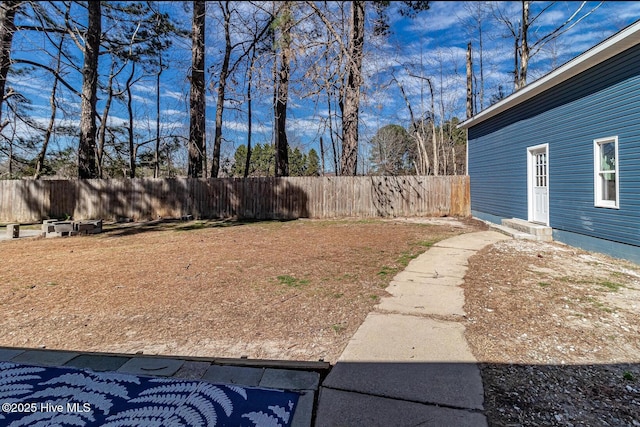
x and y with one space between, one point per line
606 172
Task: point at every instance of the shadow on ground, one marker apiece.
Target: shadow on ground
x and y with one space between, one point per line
119 229
437 394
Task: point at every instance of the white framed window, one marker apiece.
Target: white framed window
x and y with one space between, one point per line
606 175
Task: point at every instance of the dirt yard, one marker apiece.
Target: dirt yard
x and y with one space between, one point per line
271 290
558 332
556 329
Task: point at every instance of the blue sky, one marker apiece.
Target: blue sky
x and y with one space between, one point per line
432 45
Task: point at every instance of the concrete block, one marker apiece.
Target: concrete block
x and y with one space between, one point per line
63 227
88 227
47 225
13 231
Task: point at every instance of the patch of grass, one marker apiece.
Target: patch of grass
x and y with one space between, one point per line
602 307
338 295
406 257
544 284
347 276
338 328
628 376
569 279
426 243
291 281
611 286
374 297
386 270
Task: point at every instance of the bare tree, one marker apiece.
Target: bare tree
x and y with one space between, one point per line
524 46
197 101
477 13
351 100
282 89
53 103
87 166
7 29
225 9
469 81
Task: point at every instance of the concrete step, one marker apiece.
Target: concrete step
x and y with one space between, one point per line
521 229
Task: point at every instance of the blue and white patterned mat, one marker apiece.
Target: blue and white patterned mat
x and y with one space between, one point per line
39 396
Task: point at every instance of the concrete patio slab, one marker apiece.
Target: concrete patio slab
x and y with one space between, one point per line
6 354
98 363
161 367
451 384
304 409
192 370
290 380
45 357
341 408
234 375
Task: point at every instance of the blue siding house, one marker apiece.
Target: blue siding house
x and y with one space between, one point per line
564 151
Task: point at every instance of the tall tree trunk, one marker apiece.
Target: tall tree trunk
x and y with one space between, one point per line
469 82
87 166
222 84
434 138
349 160
156 159
282 98
524 45
102 130
7 29
197 101
49 131
130 133
322 156
54 107
332 136
480 57
247 163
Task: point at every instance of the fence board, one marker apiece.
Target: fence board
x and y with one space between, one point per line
251 198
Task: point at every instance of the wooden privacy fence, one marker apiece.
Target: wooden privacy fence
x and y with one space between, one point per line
251 198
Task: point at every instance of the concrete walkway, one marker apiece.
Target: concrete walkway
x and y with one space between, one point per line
409 363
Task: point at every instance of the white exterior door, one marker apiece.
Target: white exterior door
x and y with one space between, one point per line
538 174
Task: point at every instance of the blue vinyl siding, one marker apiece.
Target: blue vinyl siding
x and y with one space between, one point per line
601 102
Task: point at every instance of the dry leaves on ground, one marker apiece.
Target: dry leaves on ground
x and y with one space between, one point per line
271 290
557 331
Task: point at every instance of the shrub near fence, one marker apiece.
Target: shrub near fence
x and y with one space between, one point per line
251 198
